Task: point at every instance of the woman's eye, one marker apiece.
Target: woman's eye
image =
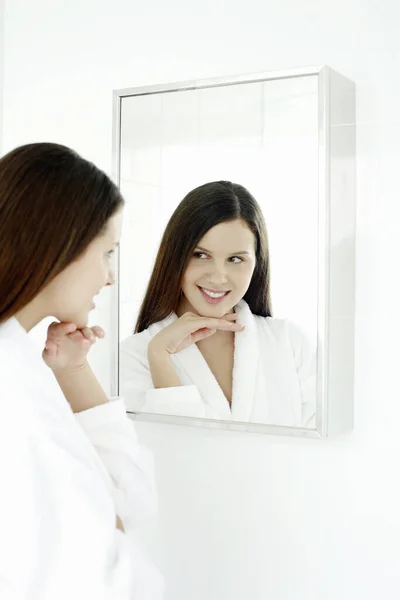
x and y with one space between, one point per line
236 259
200 255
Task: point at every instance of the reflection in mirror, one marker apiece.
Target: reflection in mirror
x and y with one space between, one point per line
218 280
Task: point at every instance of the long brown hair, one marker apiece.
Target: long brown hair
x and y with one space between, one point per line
202 209
53 203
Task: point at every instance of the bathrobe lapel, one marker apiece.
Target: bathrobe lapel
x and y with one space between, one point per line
193 363
245 365
246 356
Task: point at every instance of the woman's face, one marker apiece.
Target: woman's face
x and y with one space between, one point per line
220 270
69 297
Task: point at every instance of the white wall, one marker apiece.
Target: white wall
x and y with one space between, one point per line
246 516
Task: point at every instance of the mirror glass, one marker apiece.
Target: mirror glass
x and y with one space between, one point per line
264 136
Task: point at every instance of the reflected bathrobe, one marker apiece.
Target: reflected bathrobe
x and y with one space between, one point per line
64 477
274 376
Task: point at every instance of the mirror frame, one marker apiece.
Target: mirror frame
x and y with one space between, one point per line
336 222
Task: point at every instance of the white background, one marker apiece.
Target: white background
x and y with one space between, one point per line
246 516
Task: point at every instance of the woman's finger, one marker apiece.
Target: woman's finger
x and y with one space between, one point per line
50 348
211 323
229 325
88 334
193 317
231 316
60 329
79 338
98 331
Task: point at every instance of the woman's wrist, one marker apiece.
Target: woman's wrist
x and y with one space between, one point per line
81 388
156 350
161 368
62 372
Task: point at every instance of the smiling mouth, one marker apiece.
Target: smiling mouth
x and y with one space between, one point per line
214 294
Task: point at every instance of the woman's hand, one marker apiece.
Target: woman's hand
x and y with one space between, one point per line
189 329
67 346
119 524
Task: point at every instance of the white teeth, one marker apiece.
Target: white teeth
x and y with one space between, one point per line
214 294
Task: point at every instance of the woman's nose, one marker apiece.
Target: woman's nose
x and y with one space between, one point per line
218 275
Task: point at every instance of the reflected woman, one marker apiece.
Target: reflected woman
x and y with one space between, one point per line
206 344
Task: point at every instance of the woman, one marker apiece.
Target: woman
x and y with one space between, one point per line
205 343
74 480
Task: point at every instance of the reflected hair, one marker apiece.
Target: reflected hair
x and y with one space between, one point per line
53 204
203 208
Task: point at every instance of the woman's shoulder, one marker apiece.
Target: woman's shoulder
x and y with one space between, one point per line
277 324
283 328
138 342
11 367
272 328
14 343
287 333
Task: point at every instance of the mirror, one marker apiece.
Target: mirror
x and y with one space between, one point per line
184 145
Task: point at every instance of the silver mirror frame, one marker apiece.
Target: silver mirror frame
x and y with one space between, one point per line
336 221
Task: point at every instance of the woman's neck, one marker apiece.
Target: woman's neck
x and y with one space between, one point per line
29 316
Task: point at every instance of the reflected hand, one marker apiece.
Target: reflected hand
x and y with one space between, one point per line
189 329
67 346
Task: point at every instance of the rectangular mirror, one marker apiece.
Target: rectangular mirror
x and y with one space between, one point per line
287 139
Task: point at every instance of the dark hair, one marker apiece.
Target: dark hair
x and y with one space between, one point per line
202 209
53 203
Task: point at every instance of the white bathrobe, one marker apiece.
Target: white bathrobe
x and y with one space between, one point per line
64 477
274 376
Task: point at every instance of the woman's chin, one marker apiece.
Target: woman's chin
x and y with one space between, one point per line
215 312
204 309
80 319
